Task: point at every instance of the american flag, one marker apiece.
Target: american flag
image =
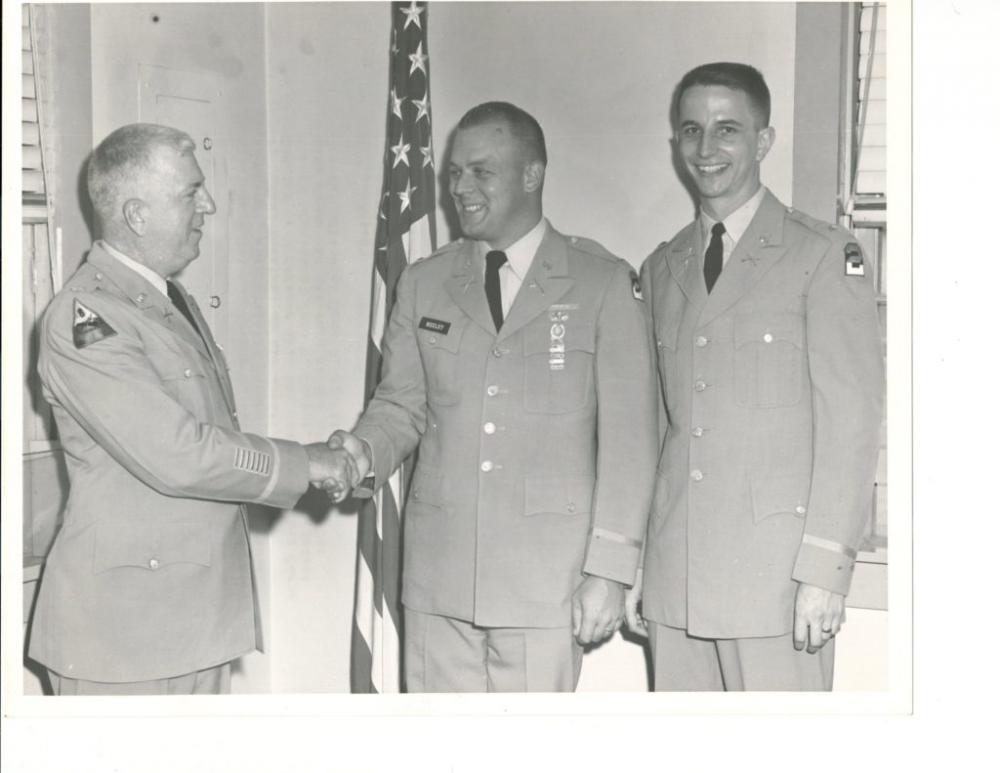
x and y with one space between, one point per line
405 231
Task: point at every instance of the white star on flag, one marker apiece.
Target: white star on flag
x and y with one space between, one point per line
418 59
397 104
400 150
428 155
412 14
404 197
423 107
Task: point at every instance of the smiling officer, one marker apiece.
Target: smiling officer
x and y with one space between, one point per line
520 362
767 336
148 587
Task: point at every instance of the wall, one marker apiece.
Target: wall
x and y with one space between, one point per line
327 71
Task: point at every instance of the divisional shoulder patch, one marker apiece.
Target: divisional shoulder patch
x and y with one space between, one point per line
88 326
636 287
854 263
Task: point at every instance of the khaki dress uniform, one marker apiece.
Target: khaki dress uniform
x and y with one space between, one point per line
150 576
536 452
773 389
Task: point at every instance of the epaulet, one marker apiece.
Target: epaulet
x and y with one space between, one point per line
831 231
592 248
448 248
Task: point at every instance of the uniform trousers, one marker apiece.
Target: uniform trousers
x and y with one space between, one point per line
443 654
687 663
209 681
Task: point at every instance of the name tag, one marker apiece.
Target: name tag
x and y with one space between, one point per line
434 325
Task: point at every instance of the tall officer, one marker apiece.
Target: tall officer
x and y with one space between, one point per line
519 360
148 588
767 335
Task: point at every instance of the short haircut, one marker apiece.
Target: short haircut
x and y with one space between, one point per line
739 77
520 123
122 157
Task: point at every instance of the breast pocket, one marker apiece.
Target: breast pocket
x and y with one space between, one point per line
769 360
440 354
558 367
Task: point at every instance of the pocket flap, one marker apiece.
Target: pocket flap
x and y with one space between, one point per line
776 494
160 546
769 328
563 494
570 336
448 342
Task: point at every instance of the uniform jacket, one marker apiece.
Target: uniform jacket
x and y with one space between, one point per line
150 575
773 387
536 455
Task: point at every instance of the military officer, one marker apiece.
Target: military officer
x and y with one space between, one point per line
149 588
518 359
767 335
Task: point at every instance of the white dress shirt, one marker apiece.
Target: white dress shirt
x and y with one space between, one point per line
736 224
519 257
144 271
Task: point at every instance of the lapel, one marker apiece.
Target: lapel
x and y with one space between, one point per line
685 264
153 304
465 287
219 366
758 249
545 283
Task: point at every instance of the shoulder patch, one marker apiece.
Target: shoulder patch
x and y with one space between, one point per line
88 326
854 262
636 286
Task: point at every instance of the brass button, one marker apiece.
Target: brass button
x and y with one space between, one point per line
187 373
486 466
800 509
489 428
432 339
497 352
697 432
154 564
697 475
492 390
570 508
768 338
700 386
701 341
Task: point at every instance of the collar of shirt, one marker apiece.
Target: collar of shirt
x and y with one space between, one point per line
519 258
736 224
144 271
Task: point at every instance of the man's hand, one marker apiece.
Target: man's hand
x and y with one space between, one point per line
598 608
347 446
333 470
632 598
819 613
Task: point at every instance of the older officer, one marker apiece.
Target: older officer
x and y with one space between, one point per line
148 588
768 339
519 360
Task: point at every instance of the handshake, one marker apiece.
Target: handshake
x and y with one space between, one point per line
338 465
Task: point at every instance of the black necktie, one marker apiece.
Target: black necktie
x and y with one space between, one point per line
713 256
494 259
177 298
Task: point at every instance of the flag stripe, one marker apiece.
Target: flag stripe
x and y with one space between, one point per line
405 230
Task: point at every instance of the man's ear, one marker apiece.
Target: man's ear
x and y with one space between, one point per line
136 214
765 139
534 176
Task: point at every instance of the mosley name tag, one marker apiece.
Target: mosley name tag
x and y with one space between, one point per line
434 325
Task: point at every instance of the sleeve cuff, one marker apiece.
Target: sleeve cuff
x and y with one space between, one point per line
612 556
290 477
825 564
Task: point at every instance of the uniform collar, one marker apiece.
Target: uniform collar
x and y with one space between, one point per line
144 271
737 221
